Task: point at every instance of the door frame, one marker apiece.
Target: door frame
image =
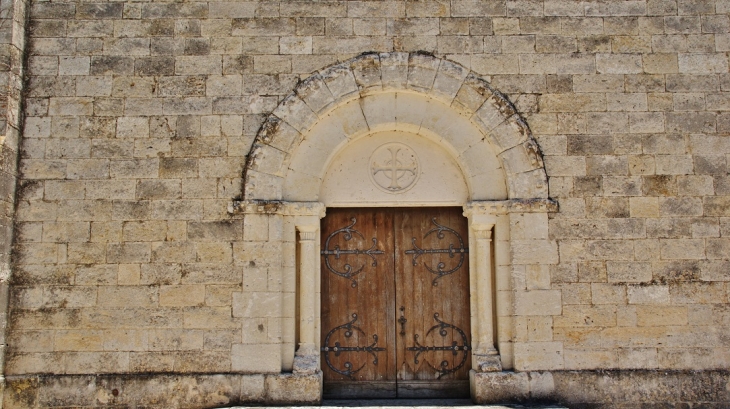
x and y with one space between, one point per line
489 271
392 388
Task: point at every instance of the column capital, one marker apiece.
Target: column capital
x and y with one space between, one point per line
482 234
307 235
482 222
480 217
308 229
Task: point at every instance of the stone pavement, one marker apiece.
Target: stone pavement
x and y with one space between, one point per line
414 403
413 406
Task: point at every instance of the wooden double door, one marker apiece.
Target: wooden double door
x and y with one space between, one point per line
395 303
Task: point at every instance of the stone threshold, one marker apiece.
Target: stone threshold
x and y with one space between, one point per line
410 403
411 406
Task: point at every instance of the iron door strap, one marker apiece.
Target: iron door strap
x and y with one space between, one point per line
455 348
452 251
347 270
338 349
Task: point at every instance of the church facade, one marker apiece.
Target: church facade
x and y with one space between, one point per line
219 203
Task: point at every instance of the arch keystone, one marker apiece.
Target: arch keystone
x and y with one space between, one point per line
394 70
422 70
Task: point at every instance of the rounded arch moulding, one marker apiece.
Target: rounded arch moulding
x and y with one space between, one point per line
406 97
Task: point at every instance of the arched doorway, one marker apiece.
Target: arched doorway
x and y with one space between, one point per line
338 141
395 311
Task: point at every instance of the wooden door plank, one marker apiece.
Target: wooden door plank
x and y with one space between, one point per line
368 294
449 298
404 300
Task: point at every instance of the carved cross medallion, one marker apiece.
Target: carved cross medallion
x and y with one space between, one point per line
394 167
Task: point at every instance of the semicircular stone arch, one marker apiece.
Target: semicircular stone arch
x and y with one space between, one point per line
415 93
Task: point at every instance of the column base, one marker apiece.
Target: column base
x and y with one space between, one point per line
487 363
306 363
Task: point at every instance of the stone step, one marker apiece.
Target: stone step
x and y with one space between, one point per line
411 403
399 406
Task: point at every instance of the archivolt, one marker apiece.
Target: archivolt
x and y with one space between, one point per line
470 99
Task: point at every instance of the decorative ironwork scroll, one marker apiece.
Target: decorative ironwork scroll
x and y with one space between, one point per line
451 251
347 233
338 349
455 348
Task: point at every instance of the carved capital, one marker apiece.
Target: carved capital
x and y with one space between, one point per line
307 235
483 234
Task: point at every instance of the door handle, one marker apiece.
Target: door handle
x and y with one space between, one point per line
402 320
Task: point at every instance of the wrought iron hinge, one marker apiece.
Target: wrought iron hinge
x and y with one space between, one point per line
452 251
337 252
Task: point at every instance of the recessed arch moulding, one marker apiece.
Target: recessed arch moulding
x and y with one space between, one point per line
394 129
413 93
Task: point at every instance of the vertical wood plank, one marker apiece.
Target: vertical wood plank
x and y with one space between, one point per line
371 299
416 291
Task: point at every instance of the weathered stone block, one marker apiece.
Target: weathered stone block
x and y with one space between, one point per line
259 359
128 296
542 250
648 294
499 387
621 272
253 388
683 249
538 355
538 302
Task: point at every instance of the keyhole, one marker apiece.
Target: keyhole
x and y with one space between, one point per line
402 320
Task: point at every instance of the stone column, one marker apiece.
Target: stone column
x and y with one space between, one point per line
483 235
306 359
307 287
485 356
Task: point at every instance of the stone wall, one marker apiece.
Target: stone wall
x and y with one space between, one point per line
573 389
610 389
139 117
13 19
161 391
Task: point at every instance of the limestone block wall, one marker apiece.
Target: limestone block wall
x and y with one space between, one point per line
139 117
13 19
